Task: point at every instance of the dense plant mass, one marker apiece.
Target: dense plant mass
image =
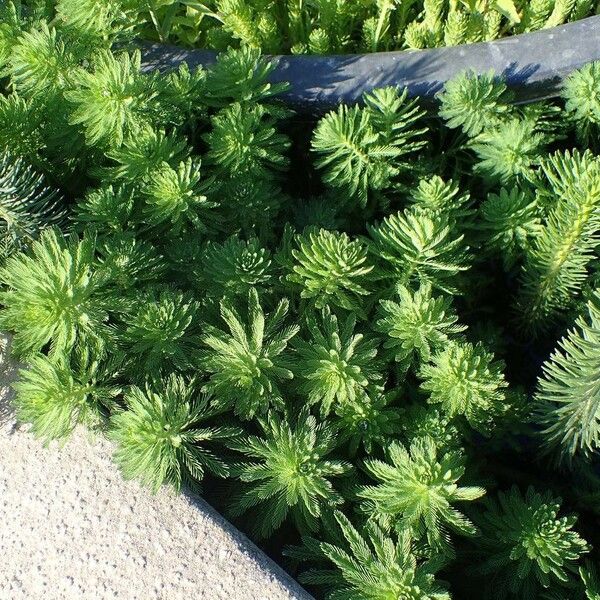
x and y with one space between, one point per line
315 27
375 336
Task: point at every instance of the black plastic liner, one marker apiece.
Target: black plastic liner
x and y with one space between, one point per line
534 64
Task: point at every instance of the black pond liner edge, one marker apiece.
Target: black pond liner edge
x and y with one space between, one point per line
533 64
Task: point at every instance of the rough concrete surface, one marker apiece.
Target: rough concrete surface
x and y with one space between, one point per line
71 528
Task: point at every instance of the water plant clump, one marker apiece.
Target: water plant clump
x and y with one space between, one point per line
373 335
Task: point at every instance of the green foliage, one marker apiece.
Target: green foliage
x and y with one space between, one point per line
55 396
376 567
181 97
248 362
318 42
20 128
316 280
590 578
525 545
234 267
568 398
418 246
429 421
244 140
107 208
241 76
417 325
129 262
40 62
53 296
582 102
561 11
252 203
112 101
289 474
160 332
352 154
556 266
163 436
27 205
368 421
474 103
238 19
418 491
335 26
396 118
509 151
512 221
359 149
176 198
145 152
535 14
11 22
330 268
95 22
336 365
466 380
433 195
